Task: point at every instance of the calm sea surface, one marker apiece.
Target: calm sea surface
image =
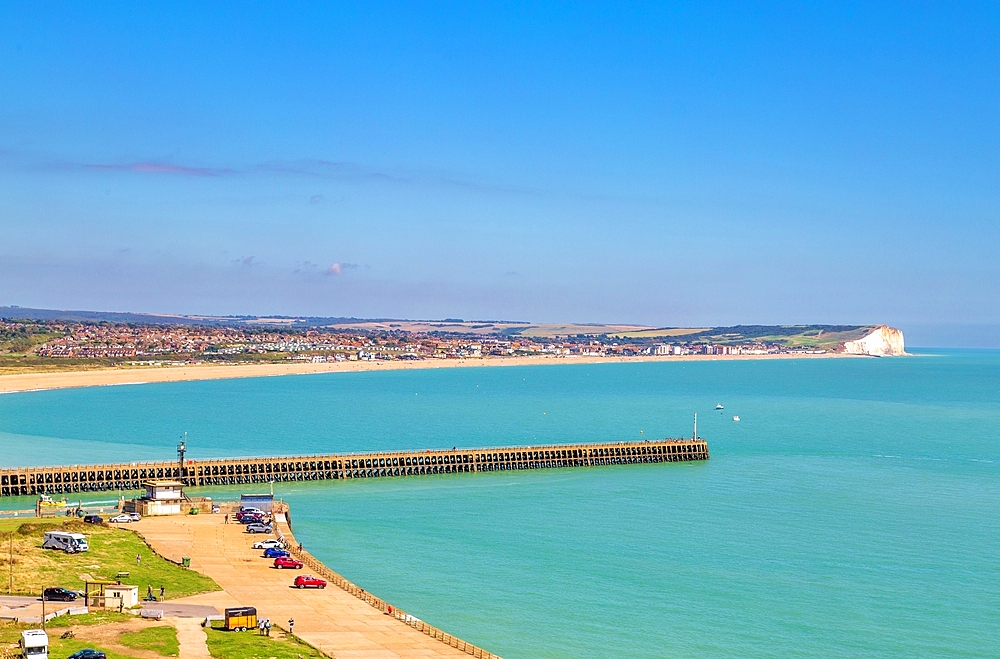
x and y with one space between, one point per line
853 512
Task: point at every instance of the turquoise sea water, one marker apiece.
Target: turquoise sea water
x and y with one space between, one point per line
852 512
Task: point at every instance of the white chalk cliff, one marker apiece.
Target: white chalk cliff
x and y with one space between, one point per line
882 341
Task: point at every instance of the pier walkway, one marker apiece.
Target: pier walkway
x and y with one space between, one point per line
22 481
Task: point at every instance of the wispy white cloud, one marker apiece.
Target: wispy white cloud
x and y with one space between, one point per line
160 168
338 268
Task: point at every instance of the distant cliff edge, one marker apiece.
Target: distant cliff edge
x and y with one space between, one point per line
881 341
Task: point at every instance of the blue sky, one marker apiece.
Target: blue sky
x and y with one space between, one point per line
650 163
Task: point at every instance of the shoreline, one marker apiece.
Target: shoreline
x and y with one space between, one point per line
44 381
342 620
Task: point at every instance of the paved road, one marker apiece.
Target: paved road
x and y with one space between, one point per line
169 607
331 619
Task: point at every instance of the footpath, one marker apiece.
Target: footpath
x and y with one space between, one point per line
191 638
330 619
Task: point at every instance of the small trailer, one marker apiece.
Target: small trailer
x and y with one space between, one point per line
34 644
240 619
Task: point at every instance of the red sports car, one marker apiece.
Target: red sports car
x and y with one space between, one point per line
284 562
309 581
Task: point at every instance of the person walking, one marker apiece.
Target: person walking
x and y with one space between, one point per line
291 626
267 627
149 593
162 592
138 559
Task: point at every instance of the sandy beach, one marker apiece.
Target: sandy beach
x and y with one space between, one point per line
14 382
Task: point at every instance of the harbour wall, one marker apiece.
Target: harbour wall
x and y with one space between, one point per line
22 481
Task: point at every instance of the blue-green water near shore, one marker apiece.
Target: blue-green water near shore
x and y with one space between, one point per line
854 511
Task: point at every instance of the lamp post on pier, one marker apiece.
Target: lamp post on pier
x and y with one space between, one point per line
181 450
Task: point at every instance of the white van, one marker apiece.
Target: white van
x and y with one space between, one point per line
34 643
67 542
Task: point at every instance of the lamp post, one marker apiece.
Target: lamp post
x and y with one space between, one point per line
181 450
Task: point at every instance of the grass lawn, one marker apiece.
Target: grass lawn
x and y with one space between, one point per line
250 645
111 550
162 640
63 647
98 617
10 632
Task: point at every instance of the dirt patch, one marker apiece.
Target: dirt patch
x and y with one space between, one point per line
107 637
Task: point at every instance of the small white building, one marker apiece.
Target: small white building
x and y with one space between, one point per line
161 498
121 596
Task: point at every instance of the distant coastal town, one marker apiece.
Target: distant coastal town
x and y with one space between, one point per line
59 343
151 344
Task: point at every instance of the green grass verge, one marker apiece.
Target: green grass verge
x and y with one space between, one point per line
250 645
64 647
161 640
13 524
111 551
98 617
59 648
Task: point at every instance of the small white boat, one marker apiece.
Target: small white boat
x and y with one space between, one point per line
736 418
719 407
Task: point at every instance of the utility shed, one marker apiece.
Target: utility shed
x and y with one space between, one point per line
261 501
121 595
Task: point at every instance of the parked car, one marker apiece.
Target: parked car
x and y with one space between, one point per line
121 518
309 581
248 518
287 563
258 527
251 510
274 552
60 595
88 653
93 519
267 544
135 517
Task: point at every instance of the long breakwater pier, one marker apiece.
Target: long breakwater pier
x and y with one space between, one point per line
22 481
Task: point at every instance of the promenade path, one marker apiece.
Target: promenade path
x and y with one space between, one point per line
331 619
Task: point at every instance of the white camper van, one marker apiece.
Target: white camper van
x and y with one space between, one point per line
68 542
34 644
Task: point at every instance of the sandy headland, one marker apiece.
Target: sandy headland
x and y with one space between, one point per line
15 382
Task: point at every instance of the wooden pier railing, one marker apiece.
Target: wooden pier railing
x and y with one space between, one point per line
21 481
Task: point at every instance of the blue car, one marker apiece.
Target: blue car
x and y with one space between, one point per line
88 653
274 552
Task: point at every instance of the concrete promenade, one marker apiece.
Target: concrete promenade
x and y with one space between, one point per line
331 619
